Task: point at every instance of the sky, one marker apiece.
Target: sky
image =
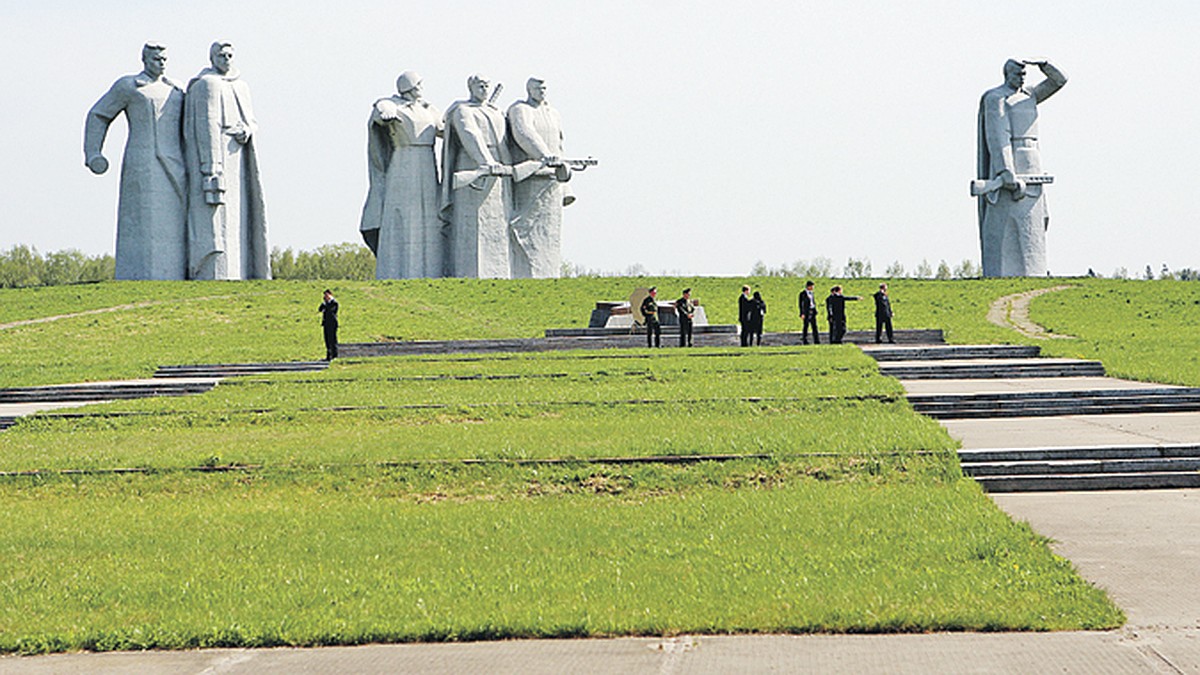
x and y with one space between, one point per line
727 133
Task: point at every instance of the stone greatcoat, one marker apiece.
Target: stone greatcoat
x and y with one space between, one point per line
152 210
535 132
477 212
400 220
1012 232
229 240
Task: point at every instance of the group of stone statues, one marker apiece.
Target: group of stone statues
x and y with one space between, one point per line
191 204
496 211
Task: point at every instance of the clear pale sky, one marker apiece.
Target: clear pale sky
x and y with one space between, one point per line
728 132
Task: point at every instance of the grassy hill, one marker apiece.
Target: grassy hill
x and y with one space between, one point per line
430 498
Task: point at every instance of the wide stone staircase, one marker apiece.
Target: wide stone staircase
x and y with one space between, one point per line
1003 383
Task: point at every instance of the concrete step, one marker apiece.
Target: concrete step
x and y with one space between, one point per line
1086 466
999 369
951 352
986 455
6 422
101 391
1057 403
234 369
1071 482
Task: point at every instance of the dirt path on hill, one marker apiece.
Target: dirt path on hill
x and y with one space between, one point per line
1012 311
121 308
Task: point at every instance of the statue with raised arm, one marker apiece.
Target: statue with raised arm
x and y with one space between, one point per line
400 220
535 134
477 185
152 209
227 226
1013 215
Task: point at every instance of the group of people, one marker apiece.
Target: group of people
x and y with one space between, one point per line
752 309
835 314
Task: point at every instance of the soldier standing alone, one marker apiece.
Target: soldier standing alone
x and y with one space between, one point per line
329 321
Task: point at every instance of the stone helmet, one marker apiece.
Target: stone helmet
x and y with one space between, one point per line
407 80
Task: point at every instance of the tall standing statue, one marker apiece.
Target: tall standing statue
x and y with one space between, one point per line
477 185
1013 215
227 228
152 210
535 133
400 221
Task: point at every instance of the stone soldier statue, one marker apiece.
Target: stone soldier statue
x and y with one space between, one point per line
400 222
1013 215
227 228
477 185
535 133
152 211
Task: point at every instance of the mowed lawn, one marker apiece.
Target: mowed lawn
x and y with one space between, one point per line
434 498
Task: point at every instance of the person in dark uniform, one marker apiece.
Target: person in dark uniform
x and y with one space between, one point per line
883 314
744 303
808 312
758 310
650 316
835 310
686 311
329 321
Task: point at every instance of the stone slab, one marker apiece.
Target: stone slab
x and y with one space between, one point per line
1023 384
1076 430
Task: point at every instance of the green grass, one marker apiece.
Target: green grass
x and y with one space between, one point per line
467 497
275 562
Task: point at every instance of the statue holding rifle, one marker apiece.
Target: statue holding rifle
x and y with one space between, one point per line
1013 215
477 184
540 184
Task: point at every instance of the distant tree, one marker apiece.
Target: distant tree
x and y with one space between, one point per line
943 272
924 271
636 270
895 270
22 266
1149 274
1120 273
857 269
967 269
332 261
1188 274
817 267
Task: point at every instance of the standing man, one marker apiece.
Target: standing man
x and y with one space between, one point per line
649 311
808 312
686 312
745 305
477 185
535 133
227 223
329 321
152 209
1013 219
883 314
835 309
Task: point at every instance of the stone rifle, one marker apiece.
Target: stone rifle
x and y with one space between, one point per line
520 171
982 187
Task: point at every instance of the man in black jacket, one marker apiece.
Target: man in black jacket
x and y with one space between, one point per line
745 305
835 309
329 322
883 314
808 312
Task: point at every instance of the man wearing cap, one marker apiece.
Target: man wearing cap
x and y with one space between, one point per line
400 221
649 312
1013 219
686 311
745 306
